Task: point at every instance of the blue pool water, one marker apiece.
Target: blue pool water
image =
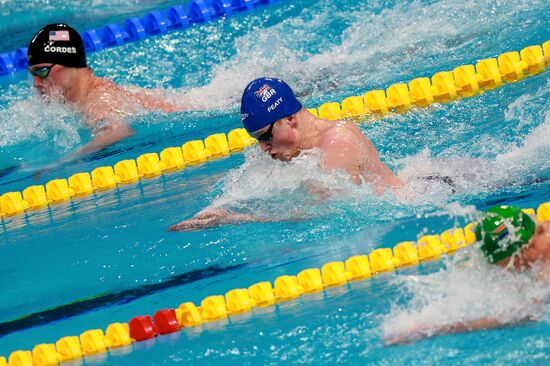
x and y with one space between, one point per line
108 257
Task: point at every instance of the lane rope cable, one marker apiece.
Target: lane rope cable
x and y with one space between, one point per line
463 82
261 294
154 23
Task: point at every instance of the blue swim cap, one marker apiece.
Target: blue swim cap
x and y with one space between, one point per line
267 100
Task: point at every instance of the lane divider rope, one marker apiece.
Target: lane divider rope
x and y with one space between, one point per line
136 29
261 294
463 82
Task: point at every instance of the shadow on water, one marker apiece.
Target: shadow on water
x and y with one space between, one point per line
81 306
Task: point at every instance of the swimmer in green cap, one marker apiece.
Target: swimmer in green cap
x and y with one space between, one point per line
507 233
509 238
57 62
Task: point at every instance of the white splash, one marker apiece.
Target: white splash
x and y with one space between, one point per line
302 183
469 289
34 119
374 47
522 160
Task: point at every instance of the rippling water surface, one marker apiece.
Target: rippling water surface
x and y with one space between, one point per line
108 257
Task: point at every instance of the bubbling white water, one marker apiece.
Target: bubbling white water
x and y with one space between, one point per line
34 119
375 47
468 289
521 161
261 182
429 180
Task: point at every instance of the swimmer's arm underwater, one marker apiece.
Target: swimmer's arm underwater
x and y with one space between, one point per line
211 217
427 331
106 136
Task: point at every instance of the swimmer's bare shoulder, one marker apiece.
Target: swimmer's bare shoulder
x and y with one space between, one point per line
104 110
152 99
342 134
343 147
103 103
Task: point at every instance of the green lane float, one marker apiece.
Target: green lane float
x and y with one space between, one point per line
463 82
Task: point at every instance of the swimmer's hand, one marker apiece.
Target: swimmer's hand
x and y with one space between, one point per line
212 218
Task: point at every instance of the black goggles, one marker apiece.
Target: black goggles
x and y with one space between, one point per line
267 136
42 72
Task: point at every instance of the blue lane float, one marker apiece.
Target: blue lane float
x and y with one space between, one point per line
136 29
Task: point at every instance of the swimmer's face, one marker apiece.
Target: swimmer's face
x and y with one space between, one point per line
58 80
539 244
283 144
537 249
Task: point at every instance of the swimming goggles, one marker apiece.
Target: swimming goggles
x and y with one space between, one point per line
42 72
267 136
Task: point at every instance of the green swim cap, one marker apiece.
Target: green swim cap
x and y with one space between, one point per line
503 231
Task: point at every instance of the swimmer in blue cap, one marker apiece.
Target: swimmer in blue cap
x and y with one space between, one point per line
272 114
508 238
57 62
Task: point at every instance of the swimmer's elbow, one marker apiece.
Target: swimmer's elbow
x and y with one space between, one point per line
356 179
107 136
115 131
124 131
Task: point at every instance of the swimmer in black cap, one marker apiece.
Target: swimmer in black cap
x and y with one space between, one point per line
57 62
508 238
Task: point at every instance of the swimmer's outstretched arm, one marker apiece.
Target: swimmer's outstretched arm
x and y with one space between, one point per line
427 331
106 136
211 217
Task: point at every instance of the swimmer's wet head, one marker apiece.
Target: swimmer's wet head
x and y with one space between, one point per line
503 232
272 114
52 50
57 61
264 102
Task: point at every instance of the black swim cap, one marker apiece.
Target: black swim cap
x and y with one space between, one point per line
57 44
